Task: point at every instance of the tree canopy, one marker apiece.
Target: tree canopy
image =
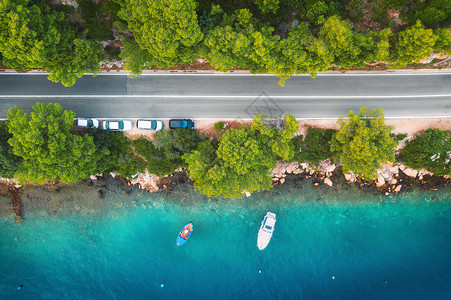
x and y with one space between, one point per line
50 151
242 158
430 150
168 30
8 161
363 142
32 36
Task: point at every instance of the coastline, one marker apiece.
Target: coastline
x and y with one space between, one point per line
394 178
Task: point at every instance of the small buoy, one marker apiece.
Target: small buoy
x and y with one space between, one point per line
20 286
385 281
259 271
162 285
333 277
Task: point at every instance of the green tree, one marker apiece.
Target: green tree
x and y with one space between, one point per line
267 5
443 43
350 48
34 37
157 162
116 155
301 53
86 58
8 161
242 158
176 142
430 150
136 59
413 44
315 147
50 151
363 143
238 41
168 30
382 45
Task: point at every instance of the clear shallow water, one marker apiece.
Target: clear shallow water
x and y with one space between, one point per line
126 252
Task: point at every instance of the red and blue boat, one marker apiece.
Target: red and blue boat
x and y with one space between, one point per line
184 234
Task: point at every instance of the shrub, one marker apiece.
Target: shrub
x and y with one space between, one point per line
219 126
315 146
430 150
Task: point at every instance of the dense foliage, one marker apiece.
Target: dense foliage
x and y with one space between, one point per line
115 152
8 161
32 36
49 149
315 146
241 160
430 150
363 143
164 155
167 30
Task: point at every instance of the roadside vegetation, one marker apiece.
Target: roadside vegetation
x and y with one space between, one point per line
281 37
45 146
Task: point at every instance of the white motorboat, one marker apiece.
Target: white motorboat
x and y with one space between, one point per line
266 230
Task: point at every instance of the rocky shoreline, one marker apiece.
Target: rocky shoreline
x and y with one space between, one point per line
394 178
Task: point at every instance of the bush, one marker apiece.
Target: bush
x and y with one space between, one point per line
430 150
315 146
157 162
219 126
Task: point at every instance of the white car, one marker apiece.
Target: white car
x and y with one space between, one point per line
150 124
87 123
120 125
266 230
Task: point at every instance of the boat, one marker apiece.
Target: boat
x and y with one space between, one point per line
266 230
184 234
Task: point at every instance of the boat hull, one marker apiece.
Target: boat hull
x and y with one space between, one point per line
182 237
266 230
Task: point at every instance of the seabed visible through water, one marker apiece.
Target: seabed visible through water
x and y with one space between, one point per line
348 245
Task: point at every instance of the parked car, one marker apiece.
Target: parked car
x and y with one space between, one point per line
150 124
119 125
87 123
181 123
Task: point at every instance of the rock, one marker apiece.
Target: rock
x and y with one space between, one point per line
435 199
275 179
143 206
316 183
350 178
103 187
290 169
93 177
101 194
53 212
394 170
319 200
397 189
304 166
77 207
17 186
394 181
328 182
127 193
113 174
380 181
89 182
282 180
247 194
331 168
18 219
410 172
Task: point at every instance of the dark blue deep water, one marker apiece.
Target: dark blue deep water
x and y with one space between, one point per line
350 245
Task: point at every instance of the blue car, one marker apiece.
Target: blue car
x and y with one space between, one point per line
181 123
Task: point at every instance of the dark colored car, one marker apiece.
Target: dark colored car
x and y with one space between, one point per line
181 123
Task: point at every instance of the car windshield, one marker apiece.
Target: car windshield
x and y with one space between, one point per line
89 123
268 227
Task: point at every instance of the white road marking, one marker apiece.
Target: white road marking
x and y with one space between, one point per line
232 96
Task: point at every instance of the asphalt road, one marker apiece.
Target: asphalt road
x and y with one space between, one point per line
231 96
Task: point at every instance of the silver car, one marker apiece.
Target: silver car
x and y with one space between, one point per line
118 125
150 124
87 123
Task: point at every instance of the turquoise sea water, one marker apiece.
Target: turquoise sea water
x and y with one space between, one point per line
332 249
